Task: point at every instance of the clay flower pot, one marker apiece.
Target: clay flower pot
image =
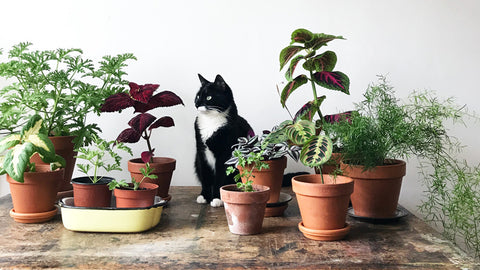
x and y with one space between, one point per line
129 198
34 200
271 177
163 168
331 165
88 194
323 207
377 190
64 147
244 210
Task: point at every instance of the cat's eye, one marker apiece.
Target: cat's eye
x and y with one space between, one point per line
209 97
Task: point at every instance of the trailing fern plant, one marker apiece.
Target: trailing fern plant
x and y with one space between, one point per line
61 86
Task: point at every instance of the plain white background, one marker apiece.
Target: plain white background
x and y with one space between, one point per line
430 44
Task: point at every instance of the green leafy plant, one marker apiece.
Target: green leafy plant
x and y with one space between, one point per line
19 148
97 157
244 160
147 172
303 130
60 85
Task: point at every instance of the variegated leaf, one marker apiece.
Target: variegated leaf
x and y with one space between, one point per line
316 151
9 141
309 110
291 86
300 132
334 80
43 145
291 68
323 62
17 160
301 35
33 126
320 40
288 53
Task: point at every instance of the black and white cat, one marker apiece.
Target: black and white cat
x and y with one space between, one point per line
217 128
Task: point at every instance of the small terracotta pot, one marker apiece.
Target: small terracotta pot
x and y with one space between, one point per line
323 206
331 165
63 147
163 167
88 194
244 210
271 177
38 192
129 198
377 190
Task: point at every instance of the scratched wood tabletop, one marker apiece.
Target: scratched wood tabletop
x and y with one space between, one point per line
193 236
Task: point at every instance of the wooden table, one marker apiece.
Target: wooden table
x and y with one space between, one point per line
191 236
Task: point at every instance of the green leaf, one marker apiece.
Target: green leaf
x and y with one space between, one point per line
316 151
323 62
9 142
17 160
291 68
335 80
287 53
292 86
300 132
309 110
320 40
301 36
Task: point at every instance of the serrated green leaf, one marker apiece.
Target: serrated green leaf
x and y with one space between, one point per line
323 62
291 68
288 53
320 40
301 36
292 86
316 151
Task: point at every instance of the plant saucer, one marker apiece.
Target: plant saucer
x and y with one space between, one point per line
399 213
324 235
277 209
33 217
168 198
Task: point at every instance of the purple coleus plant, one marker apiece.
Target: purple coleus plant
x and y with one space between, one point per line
141 98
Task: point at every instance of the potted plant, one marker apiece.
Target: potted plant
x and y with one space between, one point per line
315 193
63 87
32 186
92 190
135 194
245 202
273 155
141 98
379 135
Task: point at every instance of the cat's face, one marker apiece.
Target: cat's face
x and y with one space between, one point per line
213 96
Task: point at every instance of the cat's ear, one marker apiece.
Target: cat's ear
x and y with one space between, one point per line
219 81
202 80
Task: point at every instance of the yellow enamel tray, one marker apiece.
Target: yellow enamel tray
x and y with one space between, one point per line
110 219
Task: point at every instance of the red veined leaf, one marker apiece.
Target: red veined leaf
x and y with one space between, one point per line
162 99
320 40
301 35
117 102
323 62
309 110
146 156
287 53
165 121
141 122
142 93
129 135
334 80
335 118
291 86
291 68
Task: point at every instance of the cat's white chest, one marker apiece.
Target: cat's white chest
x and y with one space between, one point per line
208 123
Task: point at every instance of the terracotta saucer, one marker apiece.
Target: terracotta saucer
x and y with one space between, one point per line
277 209
324 235
33 217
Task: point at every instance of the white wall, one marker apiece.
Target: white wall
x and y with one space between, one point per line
419 44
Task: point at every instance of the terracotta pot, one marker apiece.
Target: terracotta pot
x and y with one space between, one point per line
88 194
323 206
64 147
129 198
37 194
163 168
244 210
271 177
331 165
377 190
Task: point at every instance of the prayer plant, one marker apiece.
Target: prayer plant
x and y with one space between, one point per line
141 98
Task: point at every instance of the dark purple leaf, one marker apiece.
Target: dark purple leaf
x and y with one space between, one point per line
117 102
162 99
309 110
142 93
334 80
146 156
129 135
335 118
141 122
165 121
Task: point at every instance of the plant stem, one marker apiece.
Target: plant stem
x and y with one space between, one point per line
147 138
315 97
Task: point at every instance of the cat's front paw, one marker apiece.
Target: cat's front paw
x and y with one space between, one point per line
201 199
216 203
